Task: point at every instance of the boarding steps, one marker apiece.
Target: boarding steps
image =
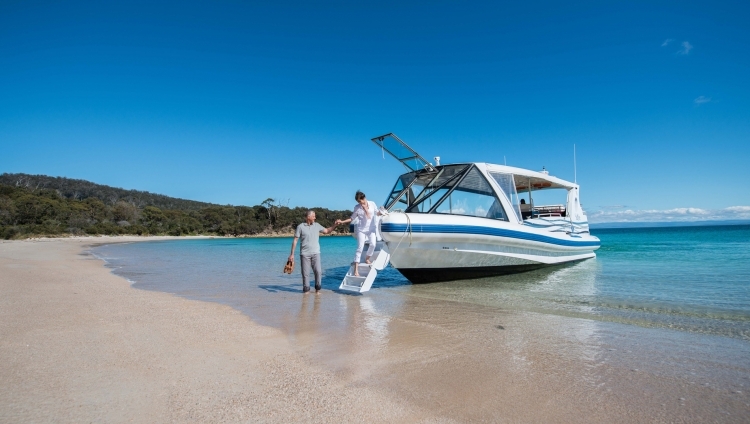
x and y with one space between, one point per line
367 273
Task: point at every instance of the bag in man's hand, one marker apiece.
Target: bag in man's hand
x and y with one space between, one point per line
289 267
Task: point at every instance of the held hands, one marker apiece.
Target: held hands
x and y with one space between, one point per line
338 222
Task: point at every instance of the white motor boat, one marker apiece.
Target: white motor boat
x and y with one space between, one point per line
471 220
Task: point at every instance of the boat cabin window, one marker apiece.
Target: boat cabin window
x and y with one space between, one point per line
508 185
473 196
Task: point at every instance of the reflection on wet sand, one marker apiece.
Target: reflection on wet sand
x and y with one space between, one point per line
306 325
375 322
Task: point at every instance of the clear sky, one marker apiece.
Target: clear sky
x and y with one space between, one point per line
234 102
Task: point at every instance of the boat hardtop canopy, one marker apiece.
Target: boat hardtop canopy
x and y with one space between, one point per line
525 178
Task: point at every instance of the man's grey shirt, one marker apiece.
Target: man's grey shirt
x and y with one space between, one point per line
309 236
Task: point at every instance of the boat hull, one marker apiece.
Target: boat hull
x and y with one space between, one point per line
428 248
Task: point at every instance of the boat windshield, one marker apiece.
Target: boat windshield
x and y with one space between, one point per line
408 187
397 192
451 189
437 187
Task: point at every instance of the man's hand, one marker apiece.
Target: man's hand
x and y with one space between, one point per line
291 257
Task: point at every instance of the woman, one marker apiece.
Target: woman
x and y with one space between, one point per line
366 230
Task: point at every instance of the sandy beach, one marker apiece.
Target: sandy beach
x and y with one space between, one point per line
78 343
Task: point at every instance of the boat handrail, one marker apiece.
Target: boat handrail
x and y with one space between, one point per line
549 209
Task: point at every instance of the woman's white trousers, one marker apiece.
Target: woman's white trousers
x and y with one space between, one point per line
361 238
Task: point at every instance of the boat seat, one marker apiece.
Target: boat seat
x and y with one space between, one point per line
525 210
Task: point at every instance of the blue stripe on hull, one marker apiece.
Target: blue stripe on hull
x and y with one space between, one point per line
485 231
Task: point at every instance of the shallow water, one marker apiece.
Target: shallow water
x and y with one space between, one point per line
655 328
694 279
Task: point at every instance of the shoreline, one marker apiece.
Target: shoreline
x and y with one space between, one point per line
154 238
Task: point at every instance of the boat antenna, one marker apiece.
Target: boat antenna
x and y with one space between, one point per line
505 162
575 179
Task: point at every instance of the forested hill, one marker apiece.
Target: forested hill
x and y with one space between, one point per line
82 189
38 205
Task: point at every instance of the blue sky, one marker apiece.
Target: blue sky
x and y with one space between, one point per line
234 102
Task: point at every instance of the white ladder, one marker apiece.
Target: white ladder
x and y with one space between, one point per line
367 273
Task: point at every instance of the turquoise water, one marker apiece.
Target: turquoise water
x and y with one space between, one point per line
693 279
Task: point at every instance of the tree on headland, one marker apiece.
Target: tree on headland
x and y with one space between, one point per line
268 204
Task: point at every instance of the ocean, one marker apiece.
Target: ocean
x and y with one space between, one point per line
685 279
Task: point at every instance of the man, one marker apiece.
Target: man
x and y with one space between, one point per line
308 233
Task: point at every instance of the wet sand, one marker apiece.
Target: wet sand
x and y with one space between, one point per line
78 343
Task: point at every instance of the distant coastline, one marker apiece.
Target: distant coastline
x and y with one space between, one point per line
613 225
